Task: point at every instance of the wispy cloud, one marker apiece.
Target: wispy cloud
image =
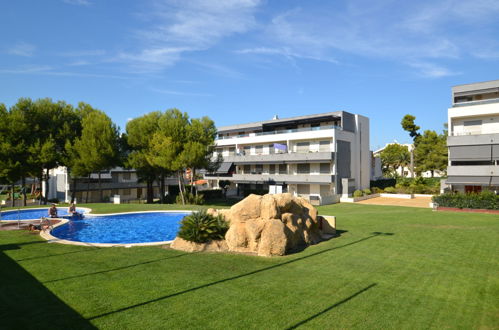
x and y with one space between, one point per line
188 26
51 71
21 49
83 53
78 2
417 32
179 93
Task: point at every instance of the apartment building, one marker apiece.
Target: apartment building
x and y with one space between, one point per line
473 140
117 181
319 157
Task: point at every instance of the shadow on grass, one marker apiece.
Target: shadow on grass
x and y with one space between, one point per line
87 249
374 234
116 269
341 302
26 304
301 248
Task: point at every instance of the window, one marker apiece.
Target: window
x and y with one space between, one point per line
325 190
232 151
115 192
472 123
324 146
325 168
272 169
302 146
247 169
259 150
271 149
304 168
472 126
127 176
127 192
303 189
259 169
283 169
247 150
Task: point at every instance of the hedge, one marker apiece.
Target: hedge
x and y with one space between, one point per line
484 200
383 183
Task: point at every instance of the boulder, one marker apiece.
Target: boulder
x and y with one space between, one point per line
212 246
271 225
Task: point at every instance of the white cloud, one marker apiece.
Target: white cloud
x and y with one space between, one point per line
179 93
51 71
78 2
431 70
188 26
21 49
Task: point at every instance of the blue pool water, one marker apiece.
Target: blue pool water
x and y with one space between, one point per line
122 228
31 214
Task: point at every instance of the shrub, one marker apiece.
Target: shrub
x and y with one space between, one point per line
390 190
190 199
213 194
383 183
367 191
484 200
201 227
357 193
377 190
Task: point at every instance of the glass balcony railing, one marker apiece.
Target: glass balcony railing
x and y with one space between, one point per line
478 102
466 132
296 130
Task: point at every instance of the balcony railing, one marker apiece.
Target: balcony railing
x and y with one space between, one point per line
466 132
469 103
295 130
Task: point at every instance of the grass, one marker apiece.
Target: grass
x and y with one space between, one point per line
392 267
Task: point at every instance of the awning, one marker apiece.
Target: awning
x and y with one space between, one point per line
224 168
495 181
479 180
480 152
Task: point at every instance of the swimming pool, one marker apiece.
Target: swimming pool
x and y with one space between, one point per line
37 213
125 228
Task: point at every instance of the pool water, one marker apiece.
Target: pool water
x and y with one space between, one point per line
126 228
30 214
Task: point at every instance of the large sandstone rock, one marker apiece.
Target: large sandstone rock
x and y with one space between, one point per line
212 246
270 225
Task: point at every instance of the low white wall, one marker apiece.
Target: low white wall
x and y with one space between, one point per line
357 199
404 196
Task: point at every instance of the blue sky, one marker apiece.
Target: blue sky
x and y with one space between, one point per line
247 60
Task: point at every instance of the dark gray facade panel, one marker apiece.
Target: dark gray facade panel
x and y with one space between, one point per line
343 161
481 152
479 180
468 140
348 121
495 181
495 152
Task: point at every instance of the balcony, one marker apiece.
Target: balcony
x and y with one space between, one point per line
477 170
280 132
472 139
469 103
309 157
283 178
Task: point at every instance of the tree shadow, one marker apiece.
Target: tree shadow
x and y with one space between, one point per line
60 254
374 234
341 302
302 247
25 303
116 269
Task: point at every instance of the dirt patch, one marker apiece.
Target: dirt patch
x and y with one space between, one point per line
414 202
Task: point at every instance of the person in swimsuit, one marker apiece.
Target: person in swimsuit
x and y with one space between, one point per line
53 211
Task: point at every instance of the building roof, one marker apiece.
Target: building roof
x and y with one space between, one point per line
491 84
260 124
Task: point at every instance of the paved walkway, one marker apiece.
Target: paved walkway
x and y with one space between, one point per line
415 202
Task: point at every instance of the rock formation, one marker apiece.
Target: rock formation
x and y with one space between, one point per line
270 225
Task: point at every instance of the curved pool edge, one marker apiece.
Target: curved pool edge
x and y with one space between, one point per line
47 235
86 209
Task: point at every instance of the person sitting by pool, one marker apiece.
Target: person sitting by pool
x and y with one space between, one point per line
72 211
53 211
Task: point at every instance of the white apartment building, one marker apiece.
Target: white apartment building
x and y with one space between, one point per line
319 157
473 139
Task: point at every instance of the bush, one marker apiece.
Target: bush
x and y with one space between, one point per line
201 227
377 190
358 193
190 199
390 190
383 183
53 200
213 194
248 192
367 191
484 200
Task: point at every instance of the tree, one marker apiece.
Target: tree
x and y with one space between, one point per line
98 147
139 135
409 126
431 152
394 156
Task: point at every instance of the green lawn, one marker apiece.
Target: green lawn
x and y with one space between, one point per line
391 268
